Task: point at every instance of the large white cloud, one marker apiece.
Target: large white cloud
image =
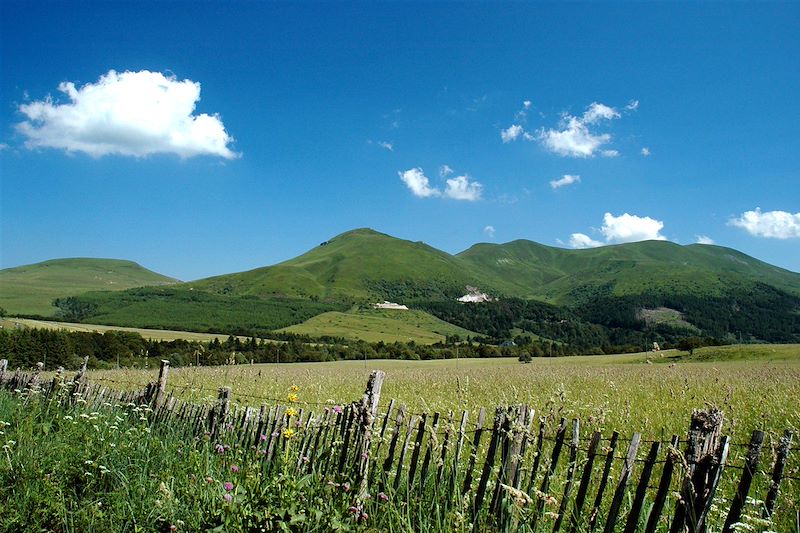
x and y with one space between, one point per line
461 188
769 224
573 138
621 229
511 133
418 183
129 113
631 228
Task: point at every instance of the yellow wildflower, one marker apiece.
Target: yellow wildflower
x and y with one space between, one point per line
292 397
294 388
288 433
291 411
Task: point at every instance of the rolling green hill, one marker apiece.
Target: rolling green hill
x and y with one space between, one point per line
373 325
360 264
31 289
620 294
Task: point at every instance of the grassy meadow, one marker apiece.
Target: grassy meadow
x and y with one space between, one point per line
757 386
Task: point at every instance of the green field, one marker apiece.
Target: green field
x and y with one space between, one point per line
150 334
380 325
756 386
31 289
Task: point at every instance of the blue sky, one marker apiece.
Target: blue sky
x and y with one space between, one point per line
206 138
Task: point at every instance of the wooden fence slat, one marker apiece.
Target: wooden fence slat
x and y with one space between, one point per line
573 465
632 524
423 477
451 490
412 470
387 464
531 414
443 456
551 468
663 486
583 488
505 444
619 494
777 472
537 456
476 441
488 465
402 456
750 468
598 501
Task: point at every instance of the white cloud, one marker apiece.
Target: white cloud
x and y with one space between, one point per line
511 133
129 113
770 224
581 240
573 137
445 170
386 145
3 146
489 231
418 183
461 188
526 104
646 151
631 228
621 229
704 239
633 105
567 179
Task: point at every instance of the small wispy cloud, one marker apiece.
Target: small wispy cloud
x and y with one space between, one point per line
633 105
445 170
489 231
769 224
704 239
566 179
511 133
646 151
386 145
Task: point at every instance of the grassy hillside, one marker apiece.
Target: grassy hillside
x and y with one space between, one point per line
361 264
182 308
532 270
380 325
31 289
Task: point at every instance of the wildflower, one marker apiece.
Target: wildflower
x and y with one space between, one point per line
288 433
338 409
292 397
263 438
173 527
345 486
209 479
234 469
294 388
228 486
383 497
219 448
227 497
291 411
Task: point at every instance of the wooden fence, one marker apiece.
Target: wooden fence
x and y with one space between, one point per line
505 471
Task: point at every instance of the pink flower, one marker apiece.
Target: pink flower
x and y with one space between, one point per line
228 486
234 469
227 497
263 438
338 409
219 448
345 486
383 497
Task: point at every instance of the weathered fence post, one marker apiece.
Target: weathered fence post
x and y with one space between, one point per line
704 432
777 472
220 411
161 391
3 367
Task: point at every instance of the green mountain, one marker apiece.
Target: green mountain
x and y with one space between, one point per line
613 295
31 289
358 264
531 270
